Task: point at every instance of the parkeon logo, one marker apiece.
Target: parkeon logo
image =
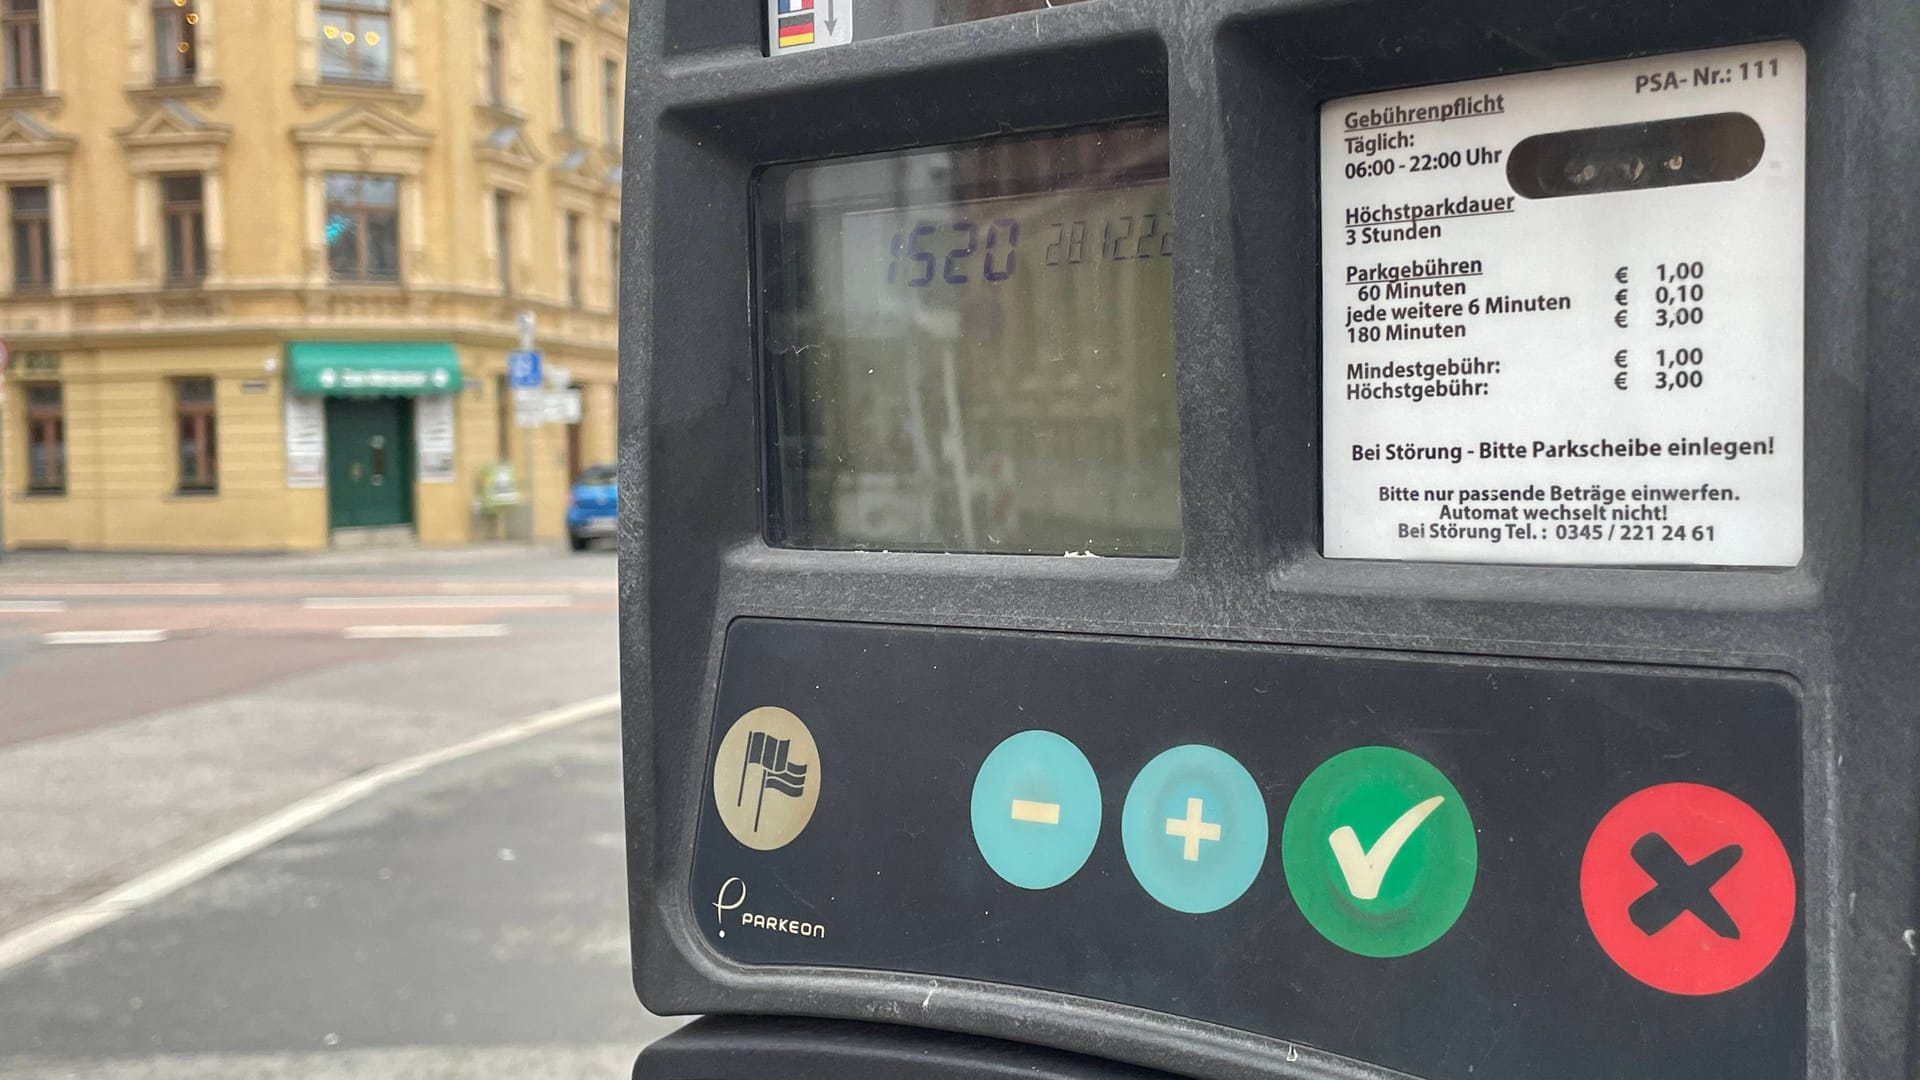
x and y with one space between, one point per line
733 895
766 778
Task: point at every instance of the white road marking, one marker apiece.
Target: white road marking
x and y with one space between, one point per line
377 603
88 915
103 637
31 607
457 630
1040 813
116 589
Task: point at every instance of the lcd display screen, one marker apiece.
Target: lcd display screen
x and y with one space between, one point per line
970 348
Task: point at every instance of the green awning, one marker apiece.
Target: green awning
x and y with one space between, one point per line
372 369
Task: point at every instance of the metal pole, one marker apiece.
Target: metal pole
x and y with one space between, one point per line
4 436
6 355
527 431
526 437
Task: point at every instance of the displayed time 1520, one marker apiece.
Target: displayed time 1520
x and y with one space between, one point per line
988 254
963 251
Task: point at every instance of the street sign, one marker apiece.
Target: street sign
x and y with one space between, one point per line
530 407
563 406
523 369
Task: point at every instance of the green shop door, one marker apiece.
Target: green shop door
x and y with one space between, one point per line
369 462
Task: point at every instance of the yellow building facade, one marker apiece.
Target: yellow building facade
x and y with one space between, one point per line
265 261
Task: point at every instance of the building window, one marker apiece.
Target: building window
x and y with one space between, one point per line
363 227
175 56
613 262
573 259
199 441
46 440
503 239
32 236
20 24
563 66
183 213
610 101
496 55
354 45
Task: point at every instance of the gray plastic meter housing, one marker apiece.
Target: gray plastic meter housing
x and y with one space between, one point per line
1547 697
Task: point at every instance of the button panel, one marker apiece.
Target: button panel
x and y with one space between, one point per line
1463 877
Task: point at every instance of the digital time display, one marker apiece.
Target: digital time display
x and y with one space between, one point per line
970 348
917 246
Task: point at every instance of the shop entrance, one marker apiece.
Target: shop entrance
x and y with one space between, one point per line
369 462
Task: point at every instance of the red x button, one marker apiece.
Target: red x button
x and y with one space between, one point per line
1688 889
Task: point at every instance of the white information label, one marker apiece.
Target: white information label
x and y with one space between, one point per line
433 438
1563 315
306 419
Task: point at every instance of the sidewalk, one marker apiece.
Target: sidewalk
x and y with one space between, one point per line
544 559
82 812
469 921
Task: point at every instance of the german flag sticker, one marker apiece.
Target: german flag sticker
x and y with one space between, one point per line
796 30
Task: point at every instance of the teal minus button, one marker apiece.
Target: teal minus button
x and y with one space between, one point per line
1036 809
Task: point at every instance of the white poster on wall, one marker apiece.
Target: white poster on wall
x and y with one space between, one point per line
433 438
306 442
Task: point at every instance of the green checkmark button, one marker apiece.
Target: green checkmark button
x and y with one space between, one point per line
1379 851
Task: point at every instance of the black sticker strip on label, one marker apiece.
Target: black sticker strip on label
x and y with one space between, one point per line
1460 869
1562 315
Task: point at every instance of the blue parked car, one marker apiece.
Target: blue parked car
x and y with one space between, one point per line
594 506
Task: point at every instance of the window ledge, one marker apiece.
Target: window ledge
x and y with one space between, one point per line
149 92
193 496
50 102
500 115
407 98
371 286
612 16
44 496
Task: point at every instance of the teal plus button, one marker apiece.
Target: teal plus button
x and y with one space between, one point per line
1195 829
1036 809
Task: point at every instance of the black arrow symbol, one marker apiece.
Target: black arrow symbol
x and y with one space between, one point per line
830 18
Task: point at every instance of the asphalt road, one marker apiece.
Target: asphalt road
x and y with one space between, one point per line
466 921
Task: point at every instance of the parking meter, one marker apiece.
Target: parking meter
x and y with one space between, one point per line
1270 539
